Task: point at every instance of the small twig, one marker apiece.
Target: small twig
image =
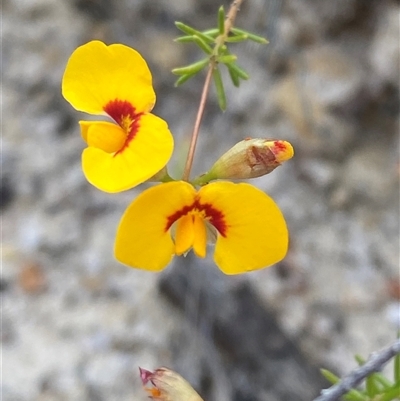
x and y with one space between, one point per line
229 21
376 362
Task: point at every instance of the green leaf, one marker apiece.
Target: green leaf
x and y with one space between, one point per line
371 386
238 71
182 79
354 395
191 68
392 394
397 369
202 44
226 58
359 359
332 378
251 36
237 38
191 38
184 39
221 20
234 77
191 31
211 32
219 86
382 380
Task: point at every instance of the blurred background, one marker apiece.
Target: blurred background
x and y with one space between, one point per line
76 324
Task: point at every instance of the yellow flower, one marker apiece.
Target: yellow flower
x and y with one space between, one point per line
172 218
115 81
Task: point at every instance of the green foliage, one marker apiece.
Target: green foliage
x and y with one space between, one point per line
219 86
213 42
377 386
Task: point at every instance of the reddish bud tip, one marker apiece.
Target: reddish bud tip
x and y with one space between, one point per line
167 385
282 150
145 375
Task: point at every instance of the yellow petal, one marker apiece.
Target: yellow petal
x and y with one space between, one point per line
143 239
256 235
184 234
97 74
282 150
146 153
200 236
84 125
104 135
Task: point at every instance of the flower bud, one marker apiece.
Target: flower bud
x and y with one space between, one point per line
251 158
168 386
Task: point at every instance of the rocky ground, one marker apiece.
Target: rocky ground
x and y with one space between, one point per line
75 323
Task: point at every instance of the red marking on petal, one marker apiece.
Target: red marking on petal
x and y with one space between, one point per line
213 215
126 117
133 129
119 110
177 215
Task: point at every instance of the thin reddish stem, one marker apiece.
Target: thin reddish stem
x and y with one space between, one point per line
229 21
196 129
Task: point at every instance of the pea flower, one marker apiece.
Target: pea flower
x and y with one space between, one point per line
171 218
168 386
115 81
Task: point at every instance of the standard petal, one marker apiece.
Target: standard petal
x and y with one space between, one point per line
143 239
142 156
97 74
256 235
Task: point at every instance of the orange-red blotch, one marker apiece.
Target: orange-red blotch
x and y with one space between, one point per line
280 145
214 216
119 109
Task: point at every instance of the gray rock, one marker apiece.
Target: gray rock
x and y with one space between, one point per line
328 82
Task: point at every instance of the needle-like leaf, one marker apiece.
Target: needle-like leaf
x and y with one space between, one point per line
191 31
238 71
182 79
251 36
237 38
219 86
221 20
227 58
191 68
202 44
